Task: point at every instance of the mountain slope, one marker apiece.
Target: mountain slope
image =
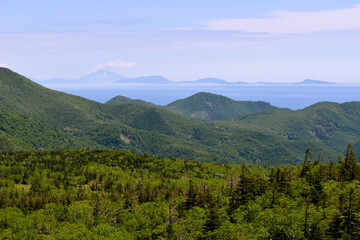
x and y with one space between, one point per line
10 143
34 117
23 96
89 124
210 107
29 133
330 123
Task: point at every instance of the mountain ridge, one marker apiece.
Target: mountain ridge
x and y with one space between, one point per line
123 100
89 124
36 118
332 123
209 107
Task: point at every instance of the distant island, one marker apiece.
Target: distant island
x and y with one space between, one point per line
103 76
312 81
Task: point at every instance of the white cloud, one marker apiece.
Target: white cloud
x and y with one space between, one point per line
4 65
292 22
114 64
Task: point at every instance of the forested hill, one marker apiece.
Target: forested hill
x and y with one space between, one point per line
33 117
210 107
102 194
123 100
331 123
204 106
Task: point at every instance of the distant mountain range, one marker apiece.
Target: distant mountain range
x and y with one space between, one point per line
100 76
146 80
207 80
103 76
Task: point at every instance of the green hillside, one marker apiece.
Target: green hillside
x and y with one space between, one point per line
35 118
26 132
10 143
329 123
290 132
168 134
209 107
38 118
20 95
122 100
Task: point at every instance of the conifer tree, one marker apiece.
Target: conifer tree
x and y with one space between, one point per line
213 221
244 192
350 220
191 197
331 171
306 167
349 169
334 230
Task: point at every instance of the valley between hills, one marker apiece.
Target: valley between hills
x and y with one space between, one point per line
205 127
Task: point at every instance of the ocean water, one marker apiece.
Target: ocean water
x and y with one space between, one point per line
291 96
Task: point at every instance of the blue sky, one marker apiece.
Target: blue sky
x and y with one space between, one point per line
259 40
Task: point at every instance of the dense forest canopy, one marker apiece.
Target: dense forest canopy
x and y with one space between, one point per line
107 194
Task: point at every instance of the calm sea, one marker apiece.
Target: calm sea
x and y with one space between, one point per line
293 97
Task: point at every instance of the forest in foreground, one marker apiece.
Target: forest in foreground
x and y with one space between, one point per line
109 194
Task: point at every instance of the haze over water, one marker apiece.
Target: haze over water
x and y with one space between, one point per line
293 97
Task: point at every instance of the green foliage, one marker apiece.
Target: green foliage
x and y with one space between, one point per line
107 194
324 126
24 132
349 168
